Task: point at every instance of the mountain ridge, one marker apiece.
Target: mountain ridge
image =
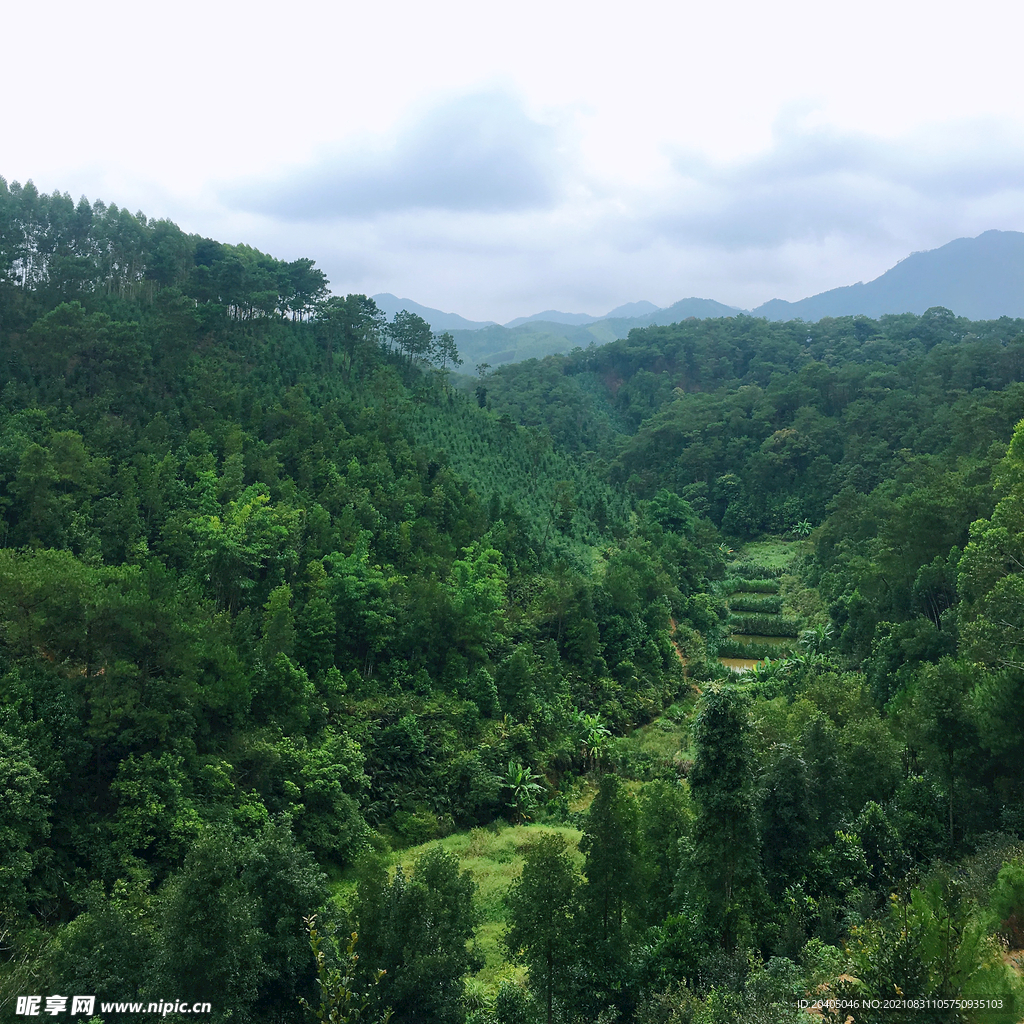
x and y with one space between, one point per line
981 278
438 320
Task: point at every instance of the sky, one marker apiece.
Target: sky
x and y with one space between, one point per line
499 159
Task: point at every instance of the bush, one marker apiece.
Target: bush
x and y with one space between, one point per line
413 828
512 1005
1007 904
821 962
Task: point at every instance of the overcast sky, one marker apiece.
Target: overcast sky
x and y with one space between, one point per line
499 159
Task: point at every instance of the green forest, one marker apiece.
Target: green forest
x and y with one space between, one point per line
674 681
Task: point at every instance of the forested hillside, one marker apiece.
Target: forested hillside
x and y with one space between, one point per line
278 598
269 585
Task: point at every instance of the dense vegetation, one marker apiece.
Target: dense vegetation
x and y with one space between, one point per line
276 595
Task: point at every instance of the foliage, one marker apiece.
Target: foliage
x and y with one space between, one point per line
523 787
930 946
544 916
339 1001
416 931
722 875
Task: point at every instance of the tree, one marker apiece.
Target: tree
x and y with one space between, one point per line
930 946
419 930
340 1001
611 845
24 824
303 287
446 351
613 867
412 335
544 917
230 927
991 571
477 589
945 723
786 818
352 325
722 874
825 778
666 817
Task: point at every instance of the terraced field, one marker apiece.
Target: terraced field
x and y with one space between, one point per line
761 624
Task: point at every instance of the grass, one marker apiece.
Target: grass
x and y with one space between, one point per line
774 552
665 739
803 602
742 585
755 570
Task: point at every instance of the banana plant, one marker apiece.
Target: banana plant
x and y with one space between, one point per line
523 786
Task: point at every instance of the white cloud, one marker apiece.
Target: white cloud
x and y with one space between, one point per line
478 152
817 208
500 159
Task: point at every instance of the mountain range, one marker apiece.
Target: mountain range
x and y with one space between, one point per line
980 278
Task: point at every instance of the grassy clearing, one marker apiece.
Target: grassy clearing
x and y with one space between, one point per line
665 739
798 601
775 552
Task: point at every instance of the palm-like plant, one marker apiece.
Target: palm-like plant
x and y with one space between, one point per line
523 786
768 669
592 735
817 639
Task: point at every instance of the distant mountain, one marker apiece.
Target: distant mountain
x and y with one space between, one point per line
630 310
981 278
685 308
391 304
555 316
540 335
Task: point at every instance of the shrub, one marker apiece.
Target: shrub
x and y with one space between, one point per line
1007 904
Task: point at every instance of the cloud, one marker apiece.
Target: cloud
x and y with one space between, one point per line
479 209
816 183
479 153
